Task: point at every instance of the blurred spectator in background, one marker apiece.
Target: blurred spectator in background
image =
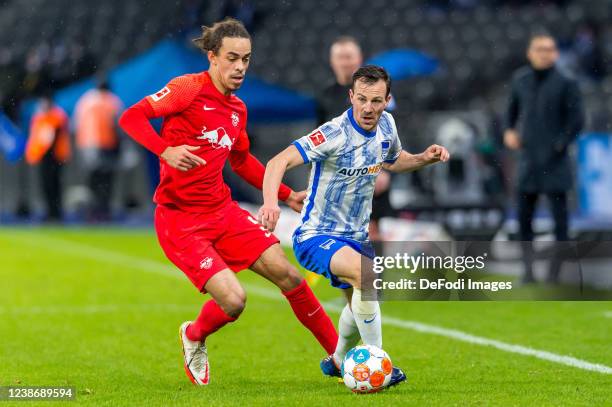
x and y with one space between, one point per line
345 58
544 117
97 139
49 145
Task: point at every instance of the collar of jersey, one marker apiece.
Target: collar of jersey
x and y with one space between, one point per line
357 127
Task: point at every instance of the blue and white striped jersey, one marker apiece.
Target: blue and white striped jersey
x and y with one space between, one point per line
346 160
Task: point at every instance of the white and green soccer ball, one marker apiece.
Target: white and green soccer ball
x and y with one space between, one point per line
366 369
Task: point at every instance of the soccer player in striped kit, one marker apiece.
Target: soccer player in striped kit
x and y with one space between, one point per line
347 154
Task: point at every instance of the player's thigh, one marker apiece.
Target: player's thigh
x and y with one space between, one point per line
191 251
315 254
244 240
346 265
274 266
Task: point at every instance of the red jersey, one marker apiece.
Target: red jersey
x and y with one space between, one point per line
196 114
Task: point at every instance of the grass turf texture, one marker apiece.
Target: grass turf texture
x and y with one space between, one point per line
78 307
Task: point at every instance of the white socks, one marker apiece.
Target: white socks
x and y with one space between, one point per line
364 321
367 317
348 335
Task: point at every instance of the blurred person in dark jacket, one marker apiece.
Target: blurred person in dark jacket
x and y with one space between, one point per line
49 147
544 117
345 57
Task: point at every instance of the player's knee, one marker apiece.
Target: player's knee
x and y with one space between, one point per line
286 276
233 304
355 281
293 277
353 276
362 302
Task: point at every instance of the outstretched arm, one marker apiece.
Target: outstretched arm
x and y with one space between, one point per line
275 170
411 162
250 169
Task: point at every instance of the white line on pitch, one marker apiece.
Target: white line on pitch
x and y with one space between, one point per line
608 314
152 266
94 309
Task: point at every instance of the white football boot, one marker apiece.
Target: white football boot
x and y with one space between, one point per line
195 358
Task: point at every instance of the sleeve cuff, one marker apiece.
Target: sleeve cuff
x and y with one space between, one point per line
283 192
160 147
392 161
302 152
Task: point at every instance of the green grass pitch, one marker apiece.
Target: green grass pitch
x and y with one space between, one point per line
99 309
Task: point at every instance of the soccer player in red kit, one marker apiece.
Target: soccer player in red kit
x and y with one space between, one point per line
200 229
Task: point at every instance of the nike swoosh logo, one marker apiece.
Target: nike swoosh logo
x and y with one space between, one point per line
371 320
313 312
209 108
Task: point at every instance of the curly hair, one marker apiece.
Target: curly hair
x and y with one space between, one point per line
212 37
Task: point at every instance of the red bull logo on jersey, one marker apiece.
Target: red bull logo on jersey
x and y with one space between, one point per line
206 263
218 138
358 172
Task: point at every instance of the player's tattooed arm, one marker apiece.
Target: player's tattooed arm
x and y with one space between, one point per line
269 213
411 162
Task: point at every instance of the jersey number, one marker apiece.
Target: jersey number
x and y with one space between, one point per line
254 221
327 244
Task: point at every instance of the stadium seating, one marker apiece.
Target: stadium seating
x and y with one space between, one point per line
478 48
107 32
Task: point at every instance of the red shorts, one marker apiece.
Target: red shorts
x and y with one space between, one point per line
204 244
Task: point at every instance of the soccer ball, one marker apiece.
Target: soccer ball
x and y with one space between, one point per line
366 369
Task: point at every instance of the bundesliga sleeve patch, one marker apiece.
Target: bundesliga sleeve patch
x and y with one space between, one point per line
316 139
161 94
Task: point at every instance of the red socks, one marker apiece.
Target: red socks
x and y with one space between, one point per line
305 305
210 320
311 314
